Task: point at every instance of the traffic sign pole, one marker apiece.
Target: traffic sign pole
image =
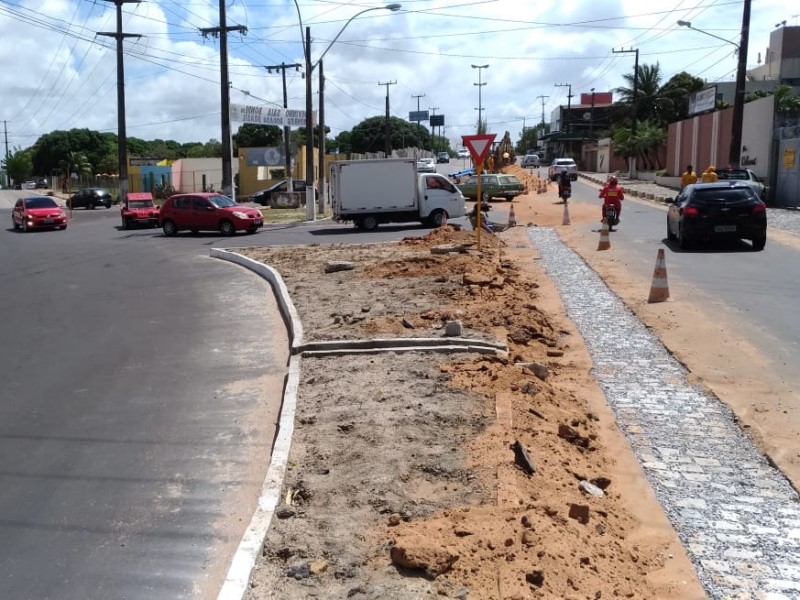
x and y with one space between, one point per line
478 146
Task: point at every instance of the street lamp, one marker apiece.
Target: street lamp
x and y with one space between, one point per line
734 157
309 121
480 85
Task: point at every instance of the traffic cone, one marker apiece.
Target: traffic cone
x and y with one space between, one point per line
605 242
512 219
659 289
565 220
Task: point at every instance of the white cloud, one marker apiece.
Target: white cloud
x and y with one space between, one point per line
56 74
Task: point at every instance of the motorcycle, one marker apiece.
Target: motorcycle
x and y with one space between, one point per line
565 192
610 215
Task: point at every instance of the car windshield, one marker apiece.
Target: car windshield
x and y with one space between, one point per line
40 203
140 204
717 195
98 191
509 179
221 201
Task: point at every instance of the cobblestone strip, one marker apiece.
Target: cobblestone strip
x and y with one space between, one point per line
737 516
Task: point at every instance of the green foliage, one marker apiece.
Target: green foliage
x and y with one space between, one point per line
527 139
786 100
18 165
251 135
663 104
370 135
342 142
650 136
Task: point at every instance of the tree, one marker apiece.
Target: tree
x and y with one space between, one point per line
342 142
251 135
648 86
672 101
77 163
370 135
786 100
18 165
527 140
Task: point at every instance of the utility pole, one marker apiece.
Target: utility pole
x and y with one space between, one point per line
387 133
591 116
569 104
323 193
433 110
632 160
225 94
543 98
5 131
480 85
286 130
417 96
122 142
309 130
738 104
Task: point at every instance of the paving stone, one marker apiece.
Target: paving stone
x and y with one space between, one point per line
736 514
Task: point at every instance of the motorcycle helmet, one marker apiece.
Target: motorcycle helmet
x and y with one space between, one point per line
612 180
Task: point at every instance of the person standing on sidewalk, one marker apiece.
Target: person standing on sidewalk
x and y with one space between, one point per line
710 175
689 177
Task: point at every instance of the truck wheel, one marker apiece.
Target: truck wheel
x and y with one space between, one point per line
369 223
437 218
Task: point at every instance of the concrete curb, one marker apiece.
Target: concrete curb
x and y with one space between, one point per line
319 348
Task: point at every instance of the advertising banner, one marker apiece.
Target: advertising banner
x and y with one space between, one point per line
418 115
266 115
703 101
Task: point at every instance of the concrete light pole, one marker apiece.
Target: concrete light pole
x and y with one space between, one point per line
480 85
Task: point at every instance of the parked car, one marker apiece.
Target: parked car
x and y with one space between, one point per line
562 164
442 157
266 197
462 153
492 186
17 186
29 185
138 209
90 198
426 165
530 160
42 184
746 176
207 212
38 212
722 210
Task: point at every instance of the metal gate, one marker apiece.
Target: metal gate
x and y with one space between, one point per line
787 182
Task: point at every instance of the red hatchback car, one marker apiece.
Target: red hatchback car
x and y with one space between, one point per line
40 212
207 212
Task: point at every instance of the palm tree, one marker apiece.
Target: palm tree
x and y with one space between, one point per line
75 162
647 90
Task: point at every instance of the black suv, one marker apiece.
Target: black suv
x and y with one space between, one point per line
442 157
89 198
266 197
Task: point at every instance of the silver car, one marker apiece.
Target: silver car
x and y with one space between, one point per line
745 176
562 164
530 160
426 165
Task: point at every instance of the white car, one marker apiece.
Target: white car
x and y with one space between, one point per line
562 164
426 165
463 153
530 160
745 176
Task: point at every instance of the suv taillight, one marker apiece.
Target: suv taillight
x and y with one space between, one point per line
691 211
759 208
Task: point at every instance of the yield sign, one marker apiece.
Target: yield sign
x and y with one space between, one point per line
478 145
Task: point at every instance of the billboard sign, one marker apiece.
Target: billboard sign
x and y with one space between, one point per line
703 101
266 115
264 157
416 116
437 120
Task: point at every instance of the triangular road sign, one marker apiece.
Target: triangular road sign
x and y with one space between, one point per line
478 145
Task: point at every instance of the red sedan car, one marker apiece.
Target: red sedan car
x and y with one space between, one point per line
207 212
40 212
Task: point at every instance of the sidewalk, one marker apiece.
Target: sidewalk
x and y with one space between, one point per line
780 218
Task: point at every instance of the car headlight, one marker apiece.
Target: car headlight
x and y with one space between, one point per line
240 215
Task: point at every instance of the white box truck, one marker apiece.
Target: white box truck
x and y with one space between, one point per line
371 192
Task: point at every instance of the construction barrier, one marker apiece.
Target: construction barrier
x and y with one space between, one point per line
659 288
605 241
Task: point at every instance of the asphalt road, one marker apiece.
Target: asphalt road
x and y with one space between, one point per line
140 384
760 287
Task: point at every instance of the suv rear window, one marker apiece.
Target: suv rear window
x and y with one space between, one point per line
721 196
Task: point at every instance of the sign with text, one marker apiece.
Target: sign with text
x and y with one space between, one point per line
266 115
416 116
703 100
478 145
437 120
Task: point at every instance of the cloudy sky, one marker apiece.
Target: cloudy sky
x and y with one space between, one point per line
56 73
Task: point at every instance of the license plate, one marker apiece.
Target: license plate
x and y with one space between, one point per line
725 228
48 221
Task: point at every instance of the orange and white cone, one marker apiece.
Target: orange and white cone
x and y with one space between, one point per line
659 289
566 220
605 241
512 219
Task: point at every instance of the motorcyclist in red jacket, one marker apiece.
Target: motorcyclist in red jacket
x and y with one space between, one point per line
612 194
